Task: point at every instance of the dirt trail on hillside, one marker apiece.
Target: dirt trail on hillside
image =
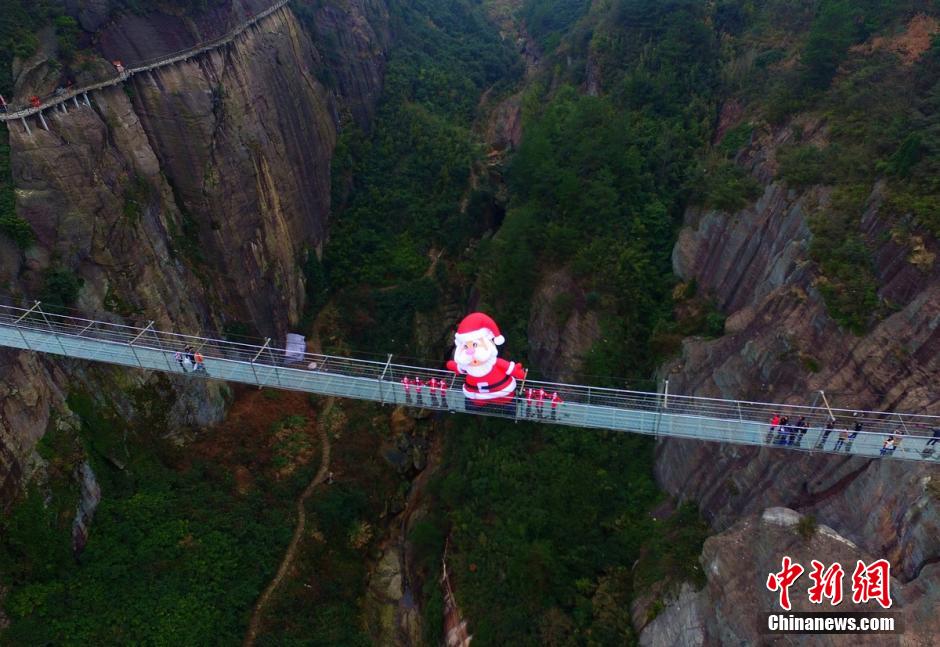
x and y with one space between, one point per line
256 615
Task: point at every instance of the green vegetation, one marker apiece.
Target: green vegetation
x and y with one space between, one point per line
187 7
726 186
551 564
60 289
138 194
174 556
328 615
322 602
599 183
871 117
806 527
804 166
397 191
115 303
66 31
20 20
598 186
736 138
14 227
421 225
548 20
847 282
672 549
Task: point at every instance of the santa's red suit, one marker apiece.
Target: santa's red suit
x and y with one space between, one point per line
496 387
489 379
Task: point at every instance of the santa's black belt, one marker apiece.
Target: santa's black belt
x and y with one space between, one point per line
492 387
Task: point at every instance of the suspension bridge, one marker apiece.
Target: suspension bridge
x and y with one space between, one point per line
60 100
659 414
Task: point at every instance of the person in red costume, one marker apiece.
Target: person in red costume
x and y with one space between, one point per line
490 380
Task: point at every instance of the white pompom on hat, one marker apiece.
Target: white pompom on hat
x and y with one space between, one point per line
477 324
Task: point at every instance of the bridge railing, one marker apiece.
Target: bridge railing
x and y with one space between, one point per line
724 418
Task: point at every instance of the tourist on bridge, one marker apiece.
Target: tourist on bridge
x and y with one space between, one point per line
555 402
528 402
935 438
889 445
843 439
852 436
830 425
799 431
418 385
183 361
442 387
432 389
539 401
784 431
899 434
931 442
35 101
774 423
190 355
199 361
406 384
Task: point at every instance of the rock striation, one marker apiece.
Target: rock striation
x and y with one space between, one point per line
780 344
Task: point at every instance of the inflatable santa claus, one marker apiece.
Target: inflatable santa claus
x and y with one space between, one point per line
490 380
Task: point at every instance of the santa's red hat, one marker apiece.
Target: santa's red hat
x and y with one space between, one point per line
477 324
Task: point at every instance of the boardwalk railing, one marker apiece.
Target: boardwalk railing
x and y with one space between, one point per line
267 365
144 66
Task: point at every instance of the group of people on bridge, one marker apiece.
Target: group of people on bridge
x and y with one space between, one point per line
783 433
191 361
435 387
539 397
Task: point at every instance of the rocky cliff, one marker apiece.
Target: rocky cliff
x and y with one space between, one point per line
189 196
781 344
737 563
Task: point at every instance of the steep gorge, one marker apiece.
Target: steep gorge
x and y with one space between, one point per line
209 184
192 195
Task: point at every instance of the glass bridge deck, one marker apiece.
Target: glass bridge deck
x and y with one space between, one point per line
706 419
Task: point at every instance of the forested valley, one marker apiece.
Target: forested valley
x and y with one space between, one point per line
551 534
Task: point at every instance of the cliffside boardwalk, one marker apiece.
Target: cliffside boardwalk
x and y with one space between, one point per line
61 99
660 414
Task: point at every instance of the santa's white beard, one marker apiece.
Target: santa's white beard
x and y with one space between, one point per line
480 369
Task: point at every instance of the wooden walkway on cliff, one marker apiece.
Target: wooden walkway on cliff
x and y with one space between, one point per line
658 414
61 99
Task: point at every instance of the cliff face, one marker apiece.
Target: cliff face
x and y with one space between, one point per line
190 196
226 159
27 397
352 38
737 563
781 345
561 328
